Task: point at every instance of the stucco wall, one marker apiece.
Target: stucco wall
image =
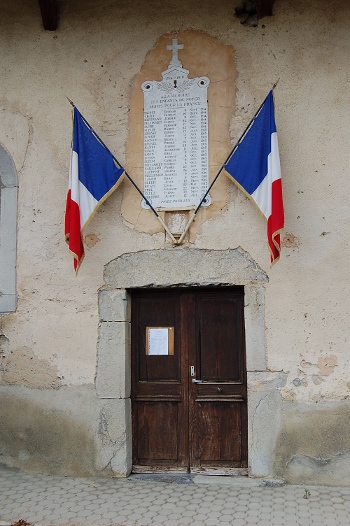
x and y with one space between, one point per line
93 58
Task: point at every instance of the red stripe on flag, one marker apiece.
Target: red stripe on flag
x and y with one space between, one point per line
67 215
72 230
275 222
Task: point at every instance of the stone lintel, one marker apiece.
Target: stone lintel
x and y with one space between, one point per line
183 267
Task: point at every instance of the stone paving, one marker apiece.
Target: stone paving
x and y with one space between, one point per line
141 501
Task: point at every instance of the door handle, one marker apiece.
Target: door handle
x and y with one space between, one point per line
192 373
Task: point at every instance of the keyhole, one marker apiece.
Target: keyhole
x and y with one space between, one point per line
175 84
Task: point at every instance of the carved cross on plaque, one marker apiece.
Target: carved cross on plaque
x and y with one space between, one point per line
174 47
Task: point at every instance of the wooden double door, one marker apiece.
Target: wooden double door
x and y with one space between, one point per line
189 396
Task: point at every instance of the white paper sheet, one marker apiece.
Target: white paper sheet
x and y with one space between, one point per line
158 342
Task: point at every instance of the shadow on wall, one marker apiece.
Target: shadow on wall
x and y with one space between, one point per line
314 444
40 438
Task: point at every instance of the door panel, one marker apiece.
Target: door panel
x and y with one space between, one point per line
219 326
151 417
158 311
217 407
181 420
219 428
157 390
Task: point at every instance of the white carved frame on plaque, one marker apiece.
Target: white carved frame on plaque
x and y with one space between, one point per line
176 169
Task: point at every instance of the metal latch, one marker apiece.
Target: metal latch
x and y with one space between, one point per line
192 374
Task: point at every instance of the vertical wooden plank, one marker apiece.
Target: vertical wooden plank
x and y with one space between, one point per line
188 359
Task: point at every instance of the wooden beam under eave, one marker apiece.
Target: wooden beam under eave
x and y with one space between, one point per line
264 8
49 14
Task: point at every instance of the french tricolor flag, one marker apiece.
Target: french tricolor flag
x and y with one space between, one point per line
93 176
255 168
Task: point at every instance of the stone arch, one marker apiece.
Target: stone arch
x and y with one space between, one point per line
8 232
182 267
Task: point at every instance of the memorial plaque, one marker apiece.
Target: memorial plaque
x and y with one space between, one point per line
176 173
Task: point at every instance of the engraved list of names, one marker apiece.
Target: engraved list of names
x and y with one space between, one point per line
175 138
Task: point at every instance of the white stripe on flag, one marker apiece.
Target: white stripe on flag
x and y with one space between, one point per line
80 194
87 204
74 178
263 194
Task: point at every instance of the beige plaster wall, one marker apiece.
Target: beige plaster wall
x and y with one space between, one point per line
94 58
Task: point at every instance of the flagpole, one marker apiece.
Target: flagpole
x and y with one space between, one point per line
127 175
221 169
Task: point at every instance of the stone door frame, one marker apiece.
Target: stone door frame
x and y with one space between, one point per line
182 267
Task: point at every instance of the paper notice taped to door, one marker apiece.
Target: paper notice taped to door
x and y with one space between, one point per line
160 341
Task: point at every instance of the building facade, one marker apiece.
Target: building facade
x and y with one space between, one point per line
69 384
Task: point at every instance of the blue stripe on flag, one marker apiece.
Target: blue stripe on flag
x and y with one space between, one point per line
96 167
248 164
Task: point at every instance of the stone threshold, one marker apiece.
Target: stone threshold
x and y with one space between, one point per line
189 478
